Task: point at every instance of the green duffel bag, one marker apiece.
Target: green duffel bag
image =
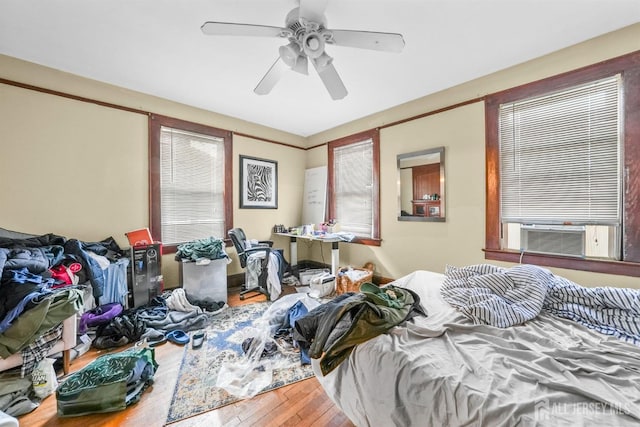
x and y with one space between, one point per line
110 383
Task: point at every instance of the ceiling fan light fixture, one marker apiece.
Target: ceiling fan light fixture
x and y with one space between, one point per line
313 45
289 54
301 65
323 61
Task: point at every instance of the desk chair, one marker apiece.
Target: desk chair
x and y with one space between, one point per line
239 240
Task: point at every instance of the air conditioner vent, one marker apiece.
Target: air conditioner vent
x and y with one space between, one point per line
551 239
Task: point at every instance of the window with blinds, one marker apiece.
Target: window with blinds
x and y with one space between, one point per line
191 186
560 160
353 188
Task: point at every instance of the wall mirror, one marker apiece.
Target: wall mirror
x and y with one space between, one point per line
421 192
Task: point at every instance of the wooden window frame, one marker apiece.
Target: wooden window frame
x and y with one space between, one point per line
629 67
374 135
155 124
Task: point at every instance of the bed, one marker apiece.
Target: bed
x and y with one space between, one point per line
444 370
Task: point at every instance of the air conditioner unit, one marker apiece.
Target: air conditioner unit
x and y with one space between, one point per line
553 239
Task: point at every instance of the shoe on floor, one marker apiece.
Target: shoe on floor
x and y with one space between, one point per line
178 337
198 339
157 341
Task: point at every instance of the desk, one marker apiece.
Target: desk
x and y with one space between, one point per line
335 254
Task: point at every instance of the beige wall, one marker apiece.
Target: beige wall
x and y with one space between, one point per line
258 223
407 246
71 168
80 169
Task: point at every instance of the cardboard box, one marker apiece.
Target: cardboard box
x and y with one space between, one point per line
139 237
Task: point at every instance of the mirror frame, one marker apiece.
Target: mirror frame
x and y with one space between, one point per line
404 156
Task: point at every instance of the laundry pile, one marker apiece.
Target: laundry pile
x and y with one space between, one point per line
43 278
16 394
166 317
58 260
202 249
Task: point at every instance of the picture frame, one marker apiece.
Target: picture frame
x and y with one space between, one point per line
258 183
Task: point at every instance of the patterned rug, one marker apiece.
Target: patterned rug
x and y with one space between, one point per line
196 390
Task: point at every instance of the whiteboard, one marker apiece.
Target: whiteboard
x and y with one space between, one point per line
315 195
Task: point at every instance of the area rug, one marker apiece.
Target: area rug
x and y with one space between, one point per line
196 390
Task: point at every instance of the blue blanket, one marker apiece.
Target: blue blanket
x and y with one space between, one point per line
502 297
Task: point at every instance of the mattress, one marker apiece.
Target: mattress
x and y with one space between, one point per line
443 370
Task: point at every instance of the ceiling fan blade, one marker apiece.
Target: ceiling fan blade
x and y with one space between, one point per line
271 78
331 80
313 10
231 29
388 42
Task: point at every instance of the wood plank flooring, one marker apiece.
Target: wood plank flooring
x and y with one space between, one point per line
300 404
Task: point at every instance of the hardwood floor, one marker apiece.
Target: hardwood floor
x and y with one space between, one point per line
300 404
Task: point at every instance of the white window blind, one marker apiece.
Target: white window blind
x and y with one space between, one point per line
191 186
560 156
353 187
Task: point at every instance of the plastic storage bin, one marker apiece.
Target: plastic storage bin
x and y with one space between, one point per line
206 281
306 275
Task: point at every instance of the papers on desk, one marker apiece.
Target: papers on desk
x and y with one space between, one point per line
342 235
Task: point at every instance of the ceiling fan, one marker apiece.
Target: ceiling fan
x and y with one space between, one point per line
307 32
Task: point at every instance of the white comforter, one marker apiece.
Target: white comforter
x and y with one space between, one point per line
445 371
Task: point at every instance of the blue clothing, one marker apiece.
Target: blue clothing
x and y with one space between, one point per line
94 271
24 276
42 252
36 260
282 264
18 289
115 283
295 312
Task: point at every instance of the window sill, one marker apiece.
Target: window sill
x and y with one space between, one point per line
597 266
367 241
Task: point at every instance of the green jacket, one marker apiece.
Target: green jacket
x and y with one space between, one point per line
37 320
359 318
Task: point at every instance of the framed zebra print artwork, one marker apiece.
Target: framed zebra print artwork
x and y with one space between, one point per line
258 183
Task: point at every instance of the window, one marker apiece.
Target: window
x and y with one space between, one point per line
560 171
190 185
561 163
354 164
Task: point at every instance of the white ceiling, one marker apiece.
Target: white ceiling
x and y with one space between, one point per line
156 47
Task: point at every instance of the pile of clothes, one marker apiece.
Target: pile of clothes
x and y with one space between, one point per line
202 249
171 311
44 276
332 331
328 332
58 260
